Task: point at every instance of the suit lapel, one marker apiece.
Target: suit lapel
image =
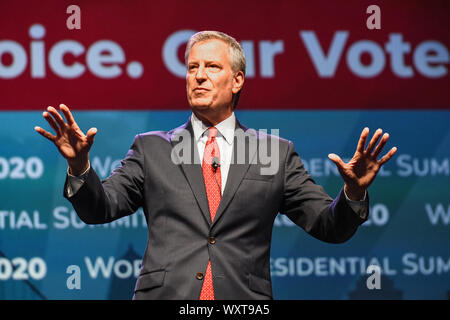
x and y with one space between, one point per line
236 173
193 170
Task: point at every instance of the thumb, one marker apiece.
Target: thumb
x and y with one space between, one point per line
91 134
336 159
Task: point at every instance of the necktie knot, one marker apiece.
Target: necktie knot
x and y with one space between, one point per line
212 132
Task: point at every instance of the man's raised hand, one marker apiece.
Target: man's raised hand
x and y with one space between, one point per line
362 169
71 142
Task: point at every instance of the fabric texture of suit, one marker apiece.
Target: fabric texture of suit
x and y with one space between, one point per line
174 202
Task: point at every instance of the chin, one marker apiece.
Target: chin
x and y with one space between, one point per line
200 105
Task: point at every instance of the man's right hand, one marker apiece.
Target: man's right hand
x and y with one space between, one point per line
71 142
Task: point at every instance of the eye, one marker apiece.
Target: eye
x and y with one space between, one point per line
214 66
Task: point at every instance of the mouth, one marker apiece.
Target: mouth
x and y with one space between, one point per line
200 90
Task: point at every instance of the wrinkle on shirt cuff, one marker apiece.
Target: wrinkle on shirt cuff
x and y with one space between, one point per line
359 206
74 183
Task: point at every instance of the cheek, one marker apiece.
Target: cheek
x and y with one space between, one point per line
223 84
190 84
189 81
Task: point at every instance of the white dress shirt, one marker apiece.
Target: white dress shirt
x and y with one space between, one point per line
224 138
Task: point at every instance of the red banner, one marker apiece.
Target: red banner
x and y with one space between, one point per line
300 54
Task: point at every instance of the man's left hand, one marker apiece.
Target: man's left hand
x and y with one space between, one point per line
362 169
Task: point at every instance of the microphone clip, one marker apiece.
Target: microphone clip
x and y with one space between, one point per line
215 163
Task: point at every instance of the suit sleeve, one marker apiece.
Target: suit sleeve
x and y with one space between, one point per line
311 208
119 195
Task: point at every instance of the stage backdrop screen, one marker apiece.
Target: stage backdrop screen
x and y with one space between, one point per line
317 71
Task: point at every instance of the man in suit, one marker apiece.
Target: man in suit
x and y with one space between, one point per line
209 206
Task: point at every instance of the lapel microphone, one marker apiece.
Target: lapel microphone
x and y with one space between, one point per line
215 163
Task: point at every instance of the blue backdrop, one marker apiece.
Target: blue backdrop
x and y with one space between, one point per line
406 235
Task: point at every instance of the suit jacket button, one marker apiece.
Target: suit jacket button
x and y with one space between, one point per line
199 276
212 240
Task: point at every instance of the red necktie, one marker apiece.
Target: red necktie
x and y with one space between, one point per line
213 183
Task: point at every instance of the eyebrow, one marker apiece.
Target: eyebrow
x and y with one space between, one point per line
206 62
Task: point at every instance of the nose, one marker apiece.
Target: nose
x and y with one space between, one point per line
201 74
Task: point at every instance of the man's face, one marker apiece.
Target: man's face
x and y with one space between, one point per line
209 77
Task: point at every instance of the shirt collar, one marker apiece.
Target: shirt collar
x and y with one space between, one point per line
225 128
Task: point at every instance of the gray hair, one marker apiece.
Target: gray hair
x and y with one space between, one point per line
237 57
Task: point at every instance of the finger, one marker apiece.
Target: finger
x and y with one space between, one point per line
91 134
51 122
381 145
45 134
71 120
337 160
57 117
388 156
67 114
362 140
374 140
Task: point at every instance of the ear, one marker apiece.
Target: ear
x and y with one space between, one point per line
238 82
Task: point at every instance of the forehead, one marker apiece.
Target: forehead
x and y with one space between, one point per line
213 49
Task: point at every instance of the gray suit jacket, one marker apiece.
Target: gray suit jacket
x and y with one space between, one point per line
182 238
